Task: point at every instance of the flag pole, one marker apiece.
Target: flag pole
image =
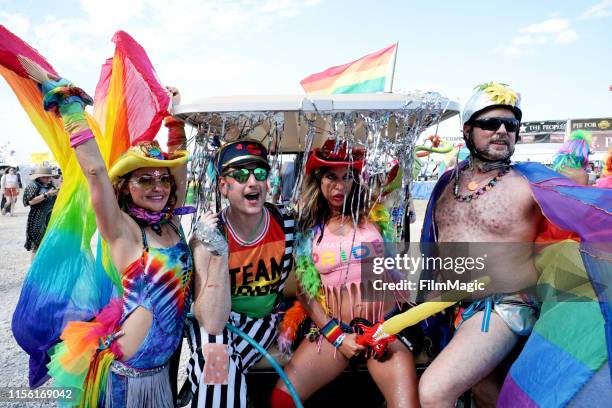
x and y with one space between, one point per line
393 67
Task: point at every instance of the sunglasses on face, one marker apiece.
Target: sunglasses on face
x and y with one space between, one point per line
149 182
510 124
242 175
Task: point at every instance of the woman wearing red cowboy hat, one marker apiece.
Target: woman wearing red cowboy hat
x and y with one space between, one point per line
336 225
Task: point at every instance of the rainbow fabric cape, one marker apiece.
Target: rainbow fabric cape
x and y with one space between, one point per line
573 337
369 74
64 282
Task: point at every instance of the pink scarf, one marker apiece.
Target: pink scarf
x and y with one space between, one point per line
155 219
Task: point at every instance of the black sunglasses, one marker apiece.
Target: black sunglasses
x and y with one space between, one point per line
242 175
511 125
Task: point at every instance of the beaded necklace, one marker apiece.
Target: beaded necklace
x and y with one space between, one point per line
467 198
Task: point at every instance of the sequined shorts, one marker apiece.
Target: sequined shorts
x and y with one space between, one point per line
519 311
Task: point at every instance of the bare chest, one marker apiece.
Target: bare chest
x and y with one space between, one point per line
504 213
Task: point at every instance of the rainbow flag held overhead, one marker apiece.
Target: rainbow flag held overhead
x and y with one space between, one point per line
369 74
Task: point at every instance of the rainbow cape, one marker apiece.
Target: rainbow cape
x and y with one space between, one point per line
369 74
64 282
573 337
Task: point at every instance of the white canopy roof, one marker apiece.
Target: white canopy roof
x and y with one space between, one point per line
308 103
319 106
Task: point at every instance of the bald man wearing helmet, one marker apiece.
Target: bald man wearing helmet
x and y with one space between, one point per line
486 201
509 206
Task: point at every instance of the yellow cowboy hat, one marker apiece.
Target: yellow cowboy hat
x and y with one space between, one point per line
146 154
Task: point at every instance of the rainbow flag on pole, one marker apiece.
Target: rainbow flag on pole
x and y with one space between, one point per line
369 74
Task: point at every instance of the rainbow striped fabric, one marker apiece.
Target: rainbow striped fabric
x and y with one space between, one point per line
369 74
129 106
572 339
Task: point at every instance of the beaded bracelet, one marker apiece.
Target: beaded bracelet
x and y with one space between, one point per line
333 333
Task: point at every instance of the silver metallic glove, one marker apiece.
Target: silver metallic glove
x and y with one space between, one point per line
211 238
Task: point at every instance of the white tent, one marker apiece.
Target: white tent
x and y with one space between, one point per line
314 107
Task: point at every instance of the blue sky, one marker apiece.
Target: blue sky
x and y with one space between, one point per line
557 54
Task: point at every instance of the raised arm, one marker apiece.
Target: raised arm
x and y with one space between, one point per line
69 101
177 140
102 193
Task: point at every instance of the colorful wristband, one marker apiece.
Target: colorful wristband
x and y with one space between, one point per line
333 332
56 94
80 137
67 100
74 118
338 342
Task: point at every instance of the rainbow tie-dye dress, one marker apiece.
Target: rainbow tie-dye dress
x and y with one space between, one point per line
159 281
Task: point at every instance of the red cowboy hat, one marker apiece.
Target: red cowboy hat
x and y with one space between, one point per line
324 157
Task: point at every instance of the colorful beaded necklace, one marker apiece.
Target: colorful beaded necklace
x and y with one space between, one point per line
467 198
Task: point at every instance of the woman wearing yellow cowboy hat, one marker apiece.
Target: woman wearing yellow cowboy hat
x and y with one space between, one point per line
121 357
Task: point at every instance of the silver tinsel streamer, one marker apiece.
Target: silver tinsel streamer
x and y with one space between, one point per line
217 129
385 136
310 135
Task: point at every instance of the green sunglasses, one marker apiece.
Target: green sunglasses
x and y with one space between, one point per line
242 175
